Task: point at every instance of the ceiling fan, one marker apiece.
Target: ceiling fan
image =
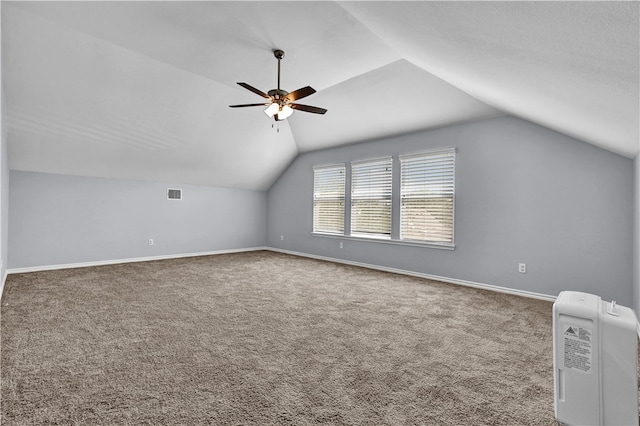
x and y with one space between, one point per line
281 103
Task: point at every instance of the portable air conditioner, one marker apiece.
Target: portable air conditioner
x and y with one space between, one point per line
595 357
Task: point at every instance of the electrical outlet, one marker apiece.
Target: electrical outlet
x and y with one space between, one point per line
281 237
341 245
522 268
150 241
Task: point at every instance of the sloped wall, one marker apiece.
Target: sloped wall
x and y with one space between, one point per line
524 193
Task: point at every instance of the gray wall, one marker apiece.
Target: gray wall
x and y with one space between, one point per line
636 236
524 193
4 178
4 189
60 220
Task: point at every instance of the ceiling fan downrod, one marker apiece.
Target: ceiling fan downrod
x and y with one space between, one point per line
278 94
279 54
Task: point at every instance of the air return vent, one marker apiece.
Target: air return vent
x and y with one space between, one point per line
174 194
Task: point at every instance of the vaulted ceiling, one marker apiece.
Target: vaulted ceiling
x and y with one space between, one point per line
140 90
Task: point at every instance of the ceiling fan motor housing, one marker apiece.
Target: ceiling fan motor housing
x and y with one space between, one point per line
277 94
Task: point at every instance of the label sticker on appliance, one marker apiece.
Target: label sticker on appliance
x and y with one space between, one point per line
577 348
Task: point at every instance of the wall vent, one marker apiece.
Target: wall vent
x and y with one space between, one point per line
174 194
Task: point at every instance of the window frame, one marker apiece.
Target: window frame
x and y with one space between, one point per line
383 194
395 236
445 183
340 168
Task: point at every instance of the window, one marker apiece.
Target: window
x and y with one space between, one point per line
328 199
371 198
427 196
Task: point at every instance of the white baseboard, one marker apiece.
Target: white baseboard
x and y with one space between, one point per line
130 260
498 289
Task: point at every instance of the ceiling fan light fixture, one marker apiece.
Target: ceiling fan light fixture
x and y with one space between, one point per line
285 112
272 110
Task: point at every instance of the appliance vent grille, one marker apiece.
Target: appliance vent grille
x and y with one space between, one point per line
174 194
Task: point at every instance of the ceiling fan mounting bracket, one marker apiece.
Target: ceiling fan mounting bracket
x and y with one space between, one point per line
279 54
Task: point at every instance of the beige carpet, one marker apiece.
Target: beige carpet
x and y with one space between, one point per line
265 338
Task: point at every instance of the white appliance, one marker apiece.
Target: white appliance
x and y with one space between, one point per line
595 357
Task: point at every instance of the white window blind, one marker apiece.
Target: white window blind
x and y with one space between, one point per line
427 194
371 198
328 199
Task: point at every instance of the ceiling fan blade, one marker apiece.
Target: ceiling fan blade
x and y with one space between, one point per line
308 108
300 93
247 105
254 90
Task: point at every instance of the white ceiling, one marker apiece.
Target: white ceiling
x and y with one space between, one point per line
140 90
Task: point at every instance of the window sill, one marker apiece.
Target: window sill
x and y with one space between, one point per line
387 241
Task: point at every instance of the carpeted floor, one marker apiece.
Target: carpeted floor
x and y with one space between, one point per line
265 338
